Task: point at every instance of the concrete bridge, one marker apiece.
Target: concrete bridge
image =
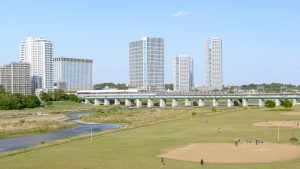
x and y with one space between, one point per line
136 98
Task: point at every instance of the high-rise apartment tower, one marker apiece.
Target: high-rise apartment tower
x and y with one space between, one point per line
182 73
38 52
213 64
72 74
146 64
15 78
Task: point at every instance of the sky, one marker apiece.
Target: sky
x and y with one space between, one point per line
261 38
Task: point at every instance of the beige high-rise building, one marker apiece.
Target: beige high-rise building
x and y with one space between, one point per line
15 78
213 64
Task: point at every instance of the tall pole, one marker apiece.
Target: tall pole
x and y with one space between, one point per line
278 133
91 134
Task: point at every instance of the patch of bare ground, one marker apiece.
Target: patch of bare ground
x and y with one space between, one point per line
229 153
283 123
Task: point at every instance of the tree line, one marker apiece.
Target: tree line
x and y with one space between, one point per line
58 95
18 101
285 103
272 87
100 86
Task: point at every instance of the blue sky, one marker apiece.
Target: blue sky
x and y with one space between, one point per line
261 38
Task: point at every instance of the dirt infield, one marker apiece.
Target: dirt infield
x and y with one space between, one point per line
229 153
284 123
291 113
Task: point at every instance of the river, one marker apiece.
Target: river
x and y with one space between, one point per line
30 140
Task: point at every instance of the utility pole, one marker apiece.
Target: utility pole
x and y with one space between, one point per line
91 134
278 133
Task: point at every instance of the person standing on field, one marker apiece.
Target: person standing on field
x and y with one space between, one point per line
202 163
162 161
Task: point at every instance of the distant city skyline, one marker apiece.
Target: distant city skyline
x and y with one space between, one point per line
261 38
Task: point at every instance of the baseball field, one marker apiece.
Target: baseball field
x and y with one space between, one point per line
250 138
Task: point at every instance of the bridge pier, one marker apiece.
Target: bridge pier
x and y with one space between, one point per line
229 103
215 103
96 102
117 102
187 102
87 101
128 103
174 103
150 103
106 102
162 103
295 102
277 102
261 103
138 103
245 103
201 103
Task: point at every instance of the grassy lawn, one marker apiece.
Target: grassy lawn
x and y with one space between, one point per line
138 148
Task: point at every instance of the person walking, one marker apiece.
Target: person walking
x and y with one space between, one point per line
202 163
162 161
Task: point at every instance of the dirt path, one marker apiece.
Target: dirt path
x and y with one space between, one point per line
291 113
229 153
284 123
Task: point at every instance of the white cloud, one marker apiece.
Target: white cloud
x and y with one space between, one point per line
181 13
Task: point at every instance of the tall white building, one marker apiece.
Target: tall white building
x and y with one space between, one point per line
182 73
15 78
146 64
72 74
213 64
38 52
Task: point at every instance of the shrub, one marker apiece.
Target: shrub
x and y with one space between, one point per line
270 104
57 112
293 139
286 104
100 111
213 109
49 103
194 114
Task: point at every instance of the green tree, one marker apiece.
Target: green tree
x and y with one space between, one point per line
5 103
59 95
17 101
72 97
169 86
46 96
286 104
32 101
270 104
2 89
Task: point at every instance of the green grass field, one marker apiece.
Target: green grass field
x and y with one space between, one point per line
138 148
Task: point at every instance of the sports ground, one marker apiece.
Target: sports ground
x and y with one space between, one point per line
179 142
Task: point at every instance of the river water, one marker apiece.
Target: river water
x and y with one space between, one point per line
30 140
